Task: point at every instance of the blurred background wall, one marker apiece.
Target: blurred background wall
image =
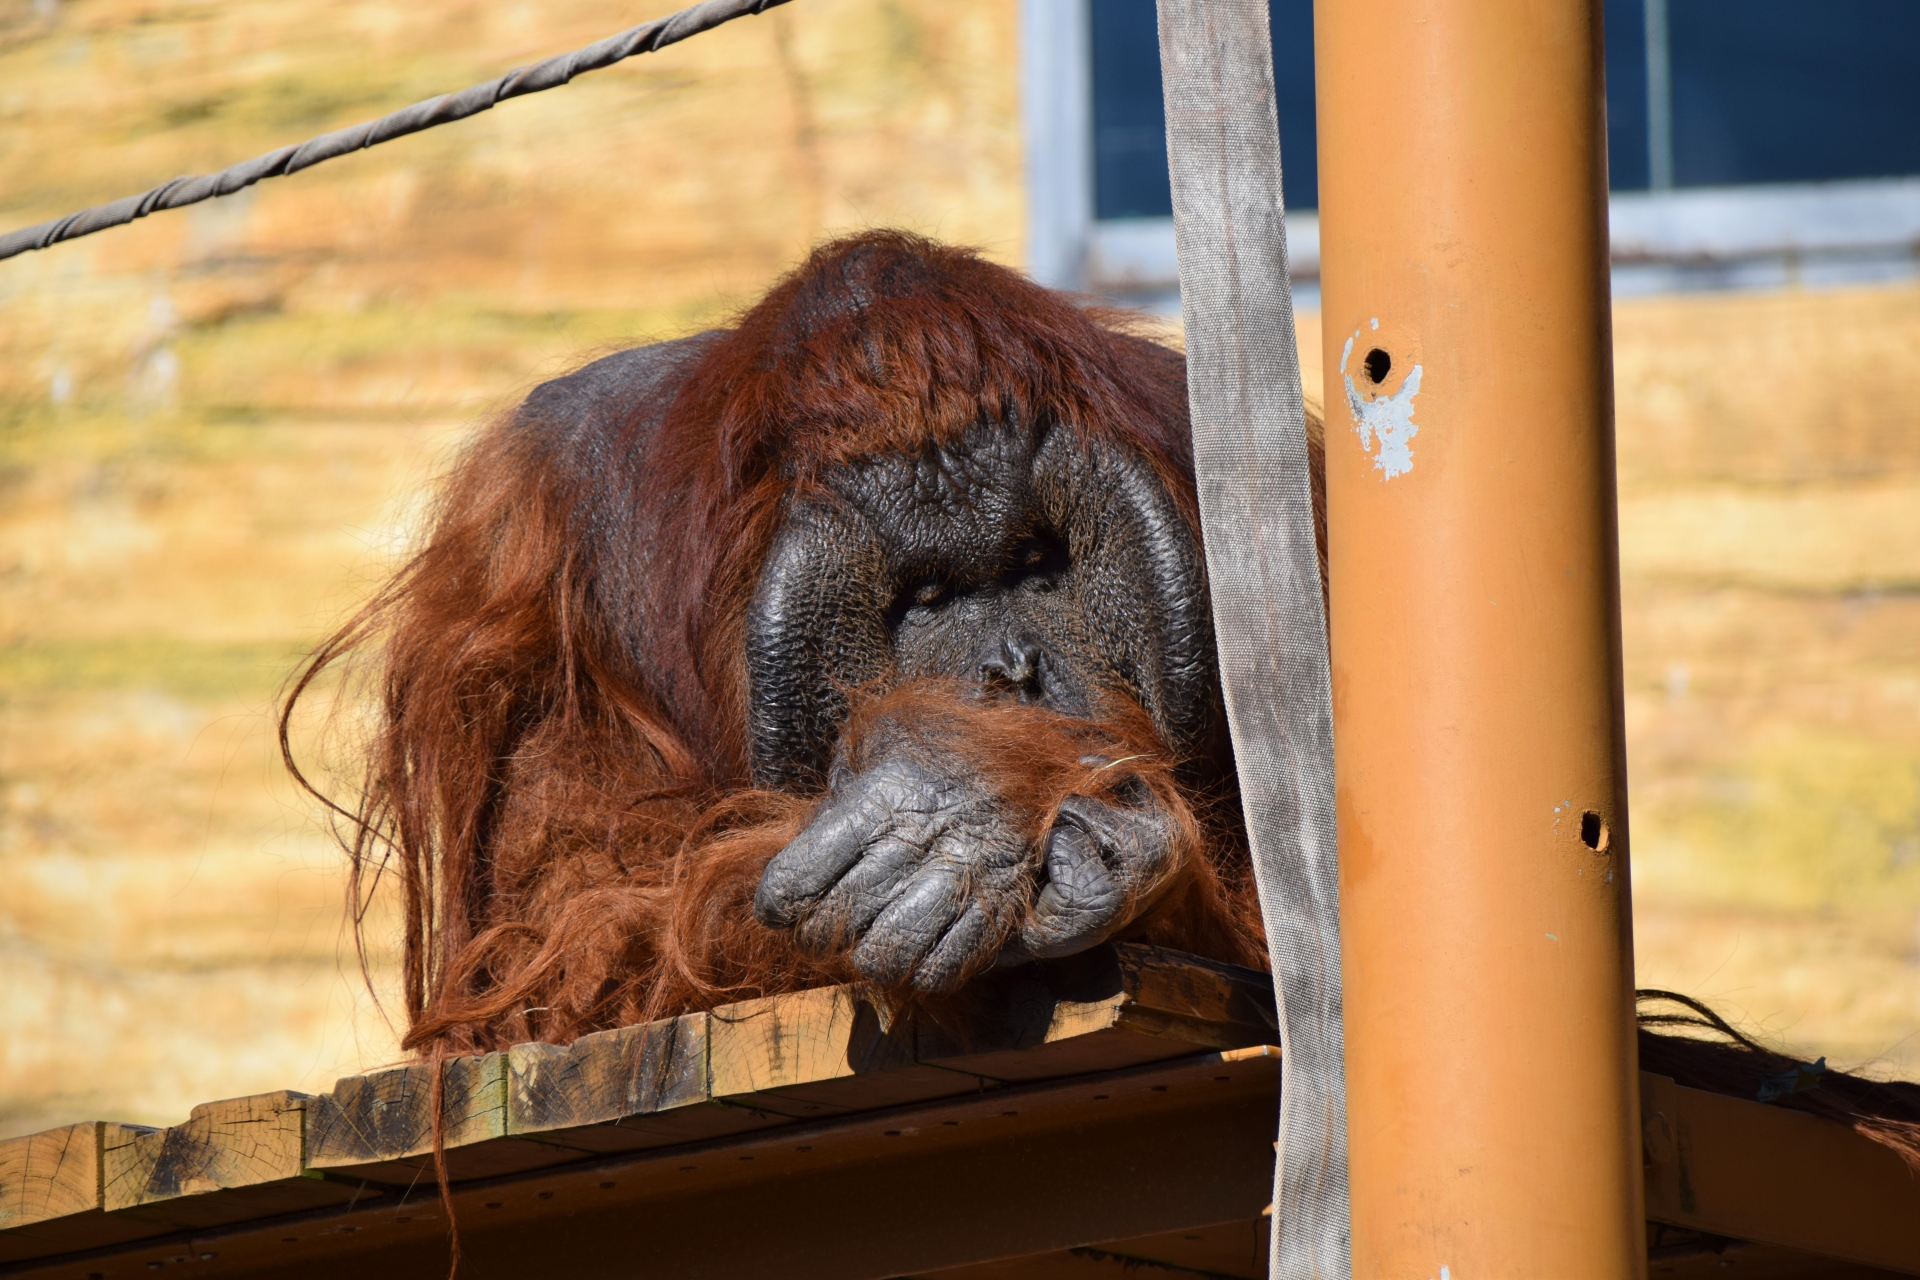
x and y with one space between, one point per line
217 429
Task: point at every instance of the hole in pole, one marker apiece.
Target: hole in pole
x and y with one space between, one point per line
1379 365
1593 830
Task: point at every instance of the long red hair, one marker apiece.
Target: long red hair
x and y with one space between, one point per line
558 774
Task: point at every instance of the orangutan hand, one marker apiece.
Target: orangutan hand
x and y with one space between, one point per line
929 879
1104 864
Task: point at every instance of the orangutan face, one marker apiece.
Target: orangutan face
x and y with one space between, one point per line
1019 565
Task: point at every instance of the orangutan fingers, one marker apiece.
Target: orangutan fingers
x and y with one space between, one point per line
1139 842
800 874
960 952
911 925
1104 864
920 812
940 925
921 875
844 914
895 798
1080 900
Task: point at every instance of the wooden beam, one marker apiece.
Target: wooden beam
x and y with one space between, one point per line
380 1126
50 1175
622 1090
1102 1009
1737 1168
251 1149
50 1195
757 1064
895 1192
1020 1197
1092 1093
1210 1252
819 1053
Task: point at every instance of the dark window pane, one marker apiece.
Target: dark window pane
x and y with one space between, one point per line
1626 94
1129 124
1293 94
1791 91
1762 91
1130 127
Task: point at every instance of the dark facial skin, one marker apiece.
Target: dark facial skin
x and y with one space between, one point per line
1030 566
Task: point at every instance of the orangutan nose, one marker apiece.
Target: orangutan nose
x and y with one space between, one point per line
1012 665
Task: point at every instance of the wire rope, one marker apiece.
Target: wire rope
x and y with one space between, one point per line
551 73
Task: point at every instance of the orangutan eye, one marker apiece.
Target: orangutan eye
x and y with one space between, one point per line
1038 563
919 601
929 594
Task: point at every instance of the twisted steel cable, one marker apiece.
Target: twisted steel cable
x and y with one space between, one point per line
448 107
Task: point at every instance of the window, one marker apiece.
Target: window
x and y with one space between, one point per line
1130 128
1735 92
1763 97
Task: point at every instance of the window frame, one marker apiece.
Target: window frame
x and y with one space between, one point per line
1663 240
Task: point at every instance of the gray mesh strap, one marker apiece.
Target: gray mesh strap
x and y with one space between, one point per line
1250 453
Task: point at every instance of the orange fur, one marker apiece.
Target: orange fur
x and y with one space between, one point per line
559 778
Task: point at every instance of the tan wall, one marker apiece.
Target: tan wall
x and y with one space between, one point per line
1770 548
216 429
256 391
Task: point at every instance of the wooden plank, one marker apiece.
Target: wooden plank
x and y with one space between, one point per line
1755 1172
1194 991
1718 1165
902 1192
1110 1007
746 1066
622 1090
232 1143
380 1126
607 1076
50 1175
232 1160
50 1195
944 1184
1675 1253
820 1052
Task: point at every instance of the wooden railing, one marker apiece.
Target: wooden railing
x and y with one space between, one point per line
1072 1119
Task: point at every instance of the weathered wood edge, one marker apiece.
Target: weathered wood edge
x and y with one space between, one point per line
1767 1149
233 1159
752 1064
50 1175
621 1090
376 1204
235 1142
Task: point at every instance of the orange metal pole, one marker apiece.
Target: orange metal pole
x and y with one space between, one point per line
1491 1078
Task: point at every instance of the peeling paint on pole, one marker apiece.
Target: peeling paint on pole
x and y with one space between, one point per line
1389 419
